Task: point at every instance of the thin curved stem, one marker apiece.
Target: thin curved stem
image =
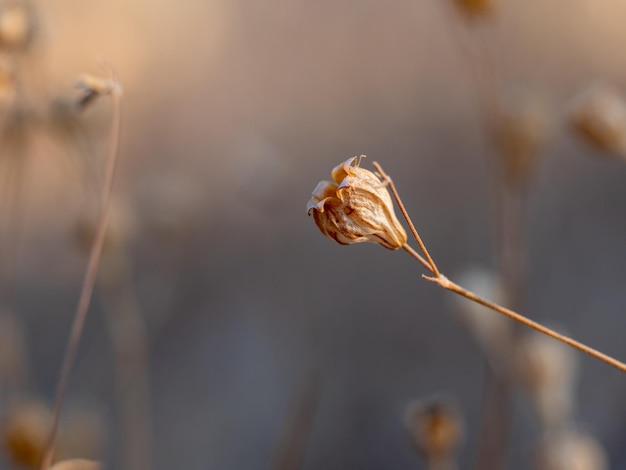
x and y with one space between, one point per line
89 279
433 267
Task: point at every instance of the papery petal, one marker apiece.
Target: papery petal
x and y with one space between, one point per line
323 191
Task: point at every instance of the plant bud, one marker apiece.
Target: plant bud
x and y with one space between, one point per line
598 115
436 428
355 208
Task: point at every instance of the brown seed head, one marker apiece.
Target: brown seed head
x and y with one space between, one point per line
24 432
436 427
355 208
598 115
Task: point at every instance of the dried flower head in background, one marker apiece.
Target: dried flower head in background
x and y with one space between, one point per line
548 370
493 332
77 464
355 208
93 87
436 427
25 430
598 115
476 8
521 130
571 450
16 25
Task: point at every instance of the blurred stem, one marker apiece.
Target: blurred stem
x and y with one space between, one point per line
90 276
298 426
130 347
498 397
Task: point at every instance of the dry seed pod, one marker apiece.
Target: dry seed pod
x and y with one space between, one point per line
356 208
25 431
571 450
548 370
521 130
598 115
92 87
77 464
473 9
436 428
491 330
16 25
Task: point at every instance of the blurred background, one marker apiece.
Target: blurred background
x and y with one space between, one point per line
225 332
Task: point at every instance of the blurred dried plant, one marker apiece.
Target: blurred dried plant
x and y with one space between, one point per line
24 432
492 332
572 449
521 131
436 429
548 371
77 464
475 9
17 25
598 116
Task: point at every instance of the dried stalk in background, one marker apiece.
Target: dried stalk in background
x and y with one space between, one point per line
112 88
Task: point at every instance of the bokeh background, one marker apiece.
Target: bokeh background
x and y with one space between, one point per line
233 111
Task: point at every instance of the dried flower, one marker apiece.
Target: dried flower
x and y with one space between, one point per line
24 432
571 450
598 115
521 131
548 370
436 427
92 87
492 331
355 208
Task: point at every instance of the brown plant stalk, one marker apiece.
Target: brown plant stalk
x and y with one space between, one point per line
447 284
90 274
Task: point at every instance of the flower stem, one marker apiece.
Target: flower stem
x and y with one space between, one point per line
445 283
433 267
88 281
